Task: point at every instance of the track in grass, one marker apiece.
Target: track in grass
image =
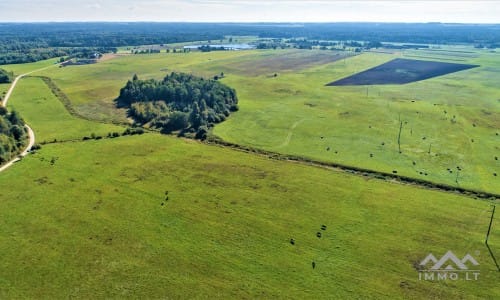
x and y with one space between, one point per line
401 71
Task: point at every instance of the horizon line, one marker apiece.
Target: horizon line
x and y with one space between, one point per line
245 22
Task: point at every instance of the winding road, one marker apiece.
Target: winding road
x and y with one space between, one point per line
31 134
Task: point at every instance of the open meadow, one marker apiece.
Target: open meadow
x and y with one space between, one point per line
156 216
450 124
92 219
43 111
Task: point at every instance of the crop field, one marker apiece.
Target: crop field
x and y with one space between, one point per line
401 71
156 216
290 61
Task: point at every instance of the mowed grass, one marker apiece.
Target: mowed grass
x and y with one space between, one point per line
450 128
91 220
50 120
19 69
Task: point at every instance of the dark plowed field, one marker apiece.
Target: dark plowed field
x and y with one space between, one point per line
401 71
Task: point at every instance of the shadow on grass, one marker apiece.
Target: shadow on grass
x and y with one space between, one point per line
493 257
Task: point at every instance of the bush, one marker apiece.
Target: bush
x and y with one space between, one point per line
202 133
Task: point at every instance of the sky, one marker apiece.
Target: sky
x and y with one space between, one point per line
250 11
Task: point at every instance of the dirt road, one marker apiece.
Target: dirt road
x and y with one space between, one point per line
31 134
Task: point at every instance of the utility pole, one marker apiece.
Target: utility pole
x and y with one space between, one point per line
399 134
489 227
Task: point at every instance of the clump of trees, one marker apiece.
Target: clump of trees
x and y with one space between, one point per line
180 102
12 134
5 77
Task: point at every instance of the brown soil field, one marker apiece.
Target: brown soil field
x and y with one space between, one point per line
292 61
401 71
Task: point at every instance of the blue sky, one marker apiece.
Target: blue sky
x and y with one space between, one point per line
250 11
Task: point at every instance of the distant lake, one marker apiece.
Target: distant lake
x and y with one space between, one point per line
225 46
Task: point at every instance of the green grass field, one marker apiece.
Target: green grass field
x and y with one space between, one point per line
44 112
3 89
92 225
455 116
90 219
291 114
19 69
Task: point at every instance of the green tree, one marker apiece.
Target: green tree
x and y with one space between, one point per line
5 77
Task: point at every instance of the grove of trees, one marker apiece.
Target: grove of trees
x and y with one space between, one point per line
180 102
12 134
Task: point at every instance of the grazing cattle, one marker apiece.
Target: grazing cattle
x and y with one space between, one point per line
323 227
313 265
318 234
292 241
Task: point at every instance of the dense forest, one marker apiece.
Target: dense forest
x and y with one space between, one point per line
19 53
29 42
180 102
12 134
5 77
26 42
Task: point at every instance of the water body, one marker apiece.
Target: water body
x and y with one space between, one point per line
225 46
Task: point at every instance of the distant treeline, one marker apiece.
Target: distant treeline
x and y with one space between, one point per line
419 33
180 101
19 53
12 134
22 42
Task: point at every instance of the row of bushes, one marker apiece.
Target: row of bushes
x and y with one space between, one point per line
112 135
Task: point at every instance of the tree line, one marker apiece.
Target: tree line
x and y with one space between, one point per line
26 55
24 42
12 134
180 102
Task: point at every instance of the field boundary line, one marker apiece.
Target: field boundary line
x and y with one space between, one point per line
64 99
389 177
